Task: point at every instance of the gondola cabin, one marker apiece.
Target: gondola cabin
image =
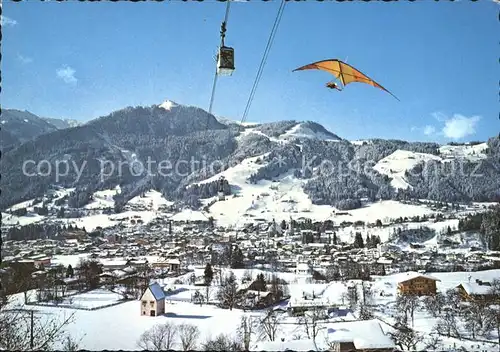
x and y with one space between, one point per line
225 61
221 188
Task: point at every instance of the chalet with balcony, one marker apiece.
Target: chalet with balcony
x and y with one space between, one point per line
413 283
478 291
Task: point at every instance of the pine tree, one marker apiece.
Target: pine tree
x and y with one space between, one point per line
358 240
208 274
69 271
260 283
211 222
227 293
237 259
283 225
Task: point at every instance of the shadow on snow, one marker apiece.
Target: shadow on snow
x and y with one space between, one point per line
183 316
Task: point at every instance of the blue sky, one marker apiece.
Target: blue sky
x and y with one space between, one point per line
85 60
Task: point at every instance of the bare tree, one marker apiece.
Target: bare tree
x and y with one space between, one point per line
158 338
332 273
447 324
365 312
246 329
405 337
207 291
247 276
333 346
435 303
475 316
311 321
352 296
270 324
70 344
222 343
408 304
367 293
453 299
25 330
198 298
494 320
188 334
433 343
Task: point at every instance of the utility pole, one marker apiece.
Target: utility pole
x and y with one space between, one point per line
32 318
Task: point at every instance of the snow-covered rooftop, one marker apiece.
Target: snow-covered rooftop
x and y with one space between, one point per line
473 288
365 334
157 291
403 277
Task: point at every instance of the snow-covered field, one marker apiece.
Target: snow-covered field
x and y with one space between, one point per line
123 323
286 198
396 164
152 199
149 206
103 199
264 201
94 299
400 161
471 152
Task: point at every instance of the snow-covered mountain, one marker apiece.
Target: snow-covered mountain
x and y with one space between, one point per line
181 151
311 130
62 123
22 126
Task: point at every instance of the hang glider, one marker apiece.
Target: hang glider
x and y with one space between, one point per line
345 73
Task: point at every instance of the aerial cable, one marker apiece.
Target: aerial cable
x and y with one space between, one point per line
222 37
216 74
264 59
260 70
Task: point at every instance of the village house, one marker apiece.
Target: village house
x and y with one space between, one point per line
478 291
319 297
257 299
413 283
153 301
40 260
173 264
347 336
303 271
366 335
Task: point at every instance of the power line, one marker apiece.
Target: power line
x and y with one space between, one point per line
223 35
264 59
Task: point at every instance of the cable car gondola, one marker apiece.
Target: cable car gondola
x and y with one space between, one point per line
225 56
225 61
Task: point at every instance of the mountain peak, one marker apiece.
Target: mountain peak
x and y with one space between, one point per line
311 130
168 104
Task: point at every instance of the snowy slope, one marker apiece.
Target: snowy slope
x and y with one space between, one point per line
310 130
285 198
152 200
266 199
470 152
227 121
400 161
127 325
168 104
103 199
